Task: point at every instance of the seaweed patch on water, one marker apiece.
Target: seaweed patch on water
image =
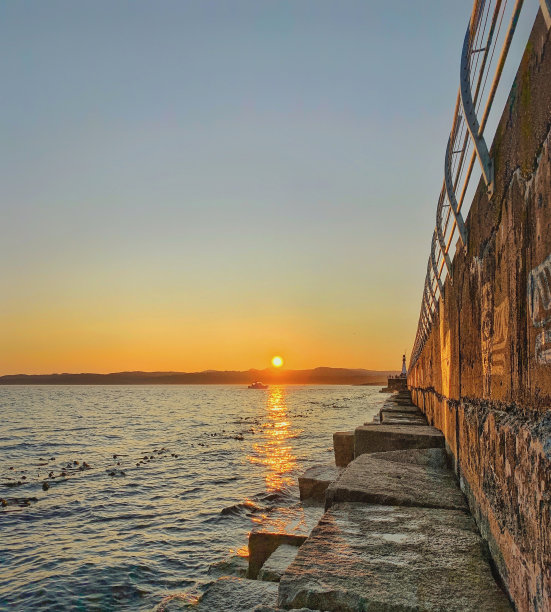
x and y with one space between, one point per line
19 502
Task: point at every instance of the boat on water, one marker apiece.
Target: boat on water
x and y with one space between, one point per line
258 385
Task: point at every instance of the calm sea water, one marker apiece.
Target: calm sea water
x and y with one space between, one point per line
169 480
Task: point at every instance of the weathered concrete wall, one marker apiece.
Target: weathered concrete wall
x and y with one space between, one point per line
484 376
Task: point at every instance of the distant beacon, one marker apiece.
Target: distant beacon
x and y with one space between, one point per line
404 369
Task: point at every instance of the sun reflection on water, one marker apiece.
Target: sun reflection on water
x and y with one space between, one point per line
275 451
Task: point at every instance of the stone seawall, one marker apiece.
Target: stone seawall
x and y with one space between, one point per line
484 375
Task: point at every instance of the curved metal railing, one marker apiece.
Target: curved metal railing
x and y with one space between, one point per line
467 144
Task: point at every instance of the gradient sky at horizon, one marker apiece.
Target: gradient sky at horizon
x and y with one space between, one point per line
192 185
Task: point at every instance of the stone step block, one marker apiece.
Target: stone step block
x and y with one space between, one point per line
409 408
285 526
343 444
375 479
276 564
315 480
402 418
375 438
363 557
228 594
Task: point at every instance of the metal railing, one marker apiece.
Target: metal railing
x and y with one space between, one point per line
467 144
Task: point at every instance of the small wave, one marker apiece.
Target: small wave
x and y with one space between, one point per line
276 497
242 508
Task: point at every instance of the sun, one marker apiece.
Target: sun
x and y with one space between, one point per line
277 362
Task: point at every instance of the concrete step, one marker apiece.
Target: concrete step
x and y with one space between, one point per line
410 478
276 564
402 418
314 482
363 557
231 566
343 445
410 408
270 609
376 438
280 527
227 594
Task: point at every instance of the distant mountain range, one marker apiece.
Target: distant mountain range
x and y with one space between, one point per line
316 376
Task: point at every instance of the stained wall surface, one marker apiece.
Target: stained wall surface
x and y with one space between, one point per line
484 375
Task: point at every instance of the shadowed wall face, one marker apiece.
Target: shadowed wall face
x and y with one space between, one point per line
484 376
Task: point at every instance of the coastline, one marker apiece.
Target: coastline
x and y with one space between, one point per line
366 504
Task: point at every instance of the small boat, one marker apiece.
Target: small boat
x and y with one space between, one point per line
258 385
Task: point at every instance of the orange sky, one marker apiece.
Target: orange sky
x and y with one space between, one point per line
82 334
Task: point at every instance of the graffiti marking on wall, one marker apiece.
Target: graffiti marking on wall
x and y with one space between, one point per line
539 306
501 328
486 324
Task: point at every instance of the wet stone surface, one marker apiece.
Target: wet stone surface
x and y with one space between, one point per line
371 557
228 595
235 565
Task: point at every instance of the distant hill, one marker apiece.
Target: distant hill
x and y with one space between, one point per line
316 376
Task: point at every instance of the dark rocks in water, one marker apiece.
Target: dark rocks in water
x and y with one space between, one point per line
45 486
238 437
11 467
51 475
114 456
52 458
75 462
3 503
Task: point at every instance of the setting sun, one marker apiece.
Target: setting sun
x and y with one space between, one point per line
277 362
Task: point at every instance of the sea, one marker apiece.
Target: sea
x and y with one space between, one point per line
115 497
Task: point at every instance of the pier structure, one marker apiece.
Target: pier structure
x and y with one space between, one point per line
481 364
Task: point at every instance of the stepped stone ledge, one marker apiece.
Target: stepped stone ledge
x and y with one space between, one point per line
410 478
373 557
343 444
376 438
314 482
277 563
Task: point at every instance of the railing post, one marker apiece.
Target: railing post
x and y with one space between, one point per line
439 233
450 192
469 113
433 263
546 10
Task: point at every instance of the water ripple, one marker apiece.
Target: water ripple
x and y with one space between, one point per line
147 486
